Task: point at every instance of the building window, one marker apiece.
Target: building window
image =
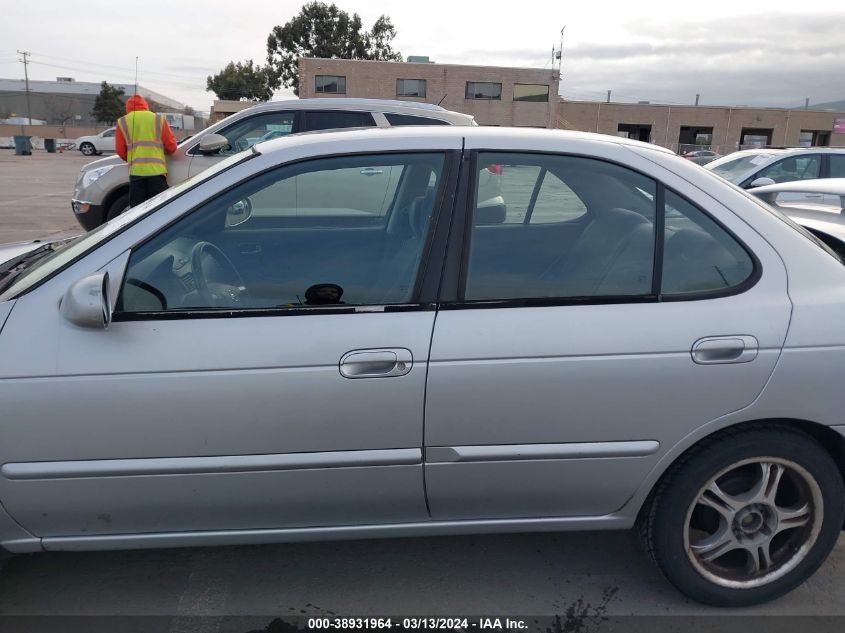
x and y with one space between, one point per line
814 138
410 87
483 90
330 84
530 92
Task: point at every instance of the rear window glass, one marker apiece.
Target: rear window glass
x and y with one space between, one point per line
409 119
331 120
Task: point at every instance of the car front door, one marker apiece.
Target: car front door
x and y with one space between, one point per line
242 134
790 169
564 362
107 141
237 389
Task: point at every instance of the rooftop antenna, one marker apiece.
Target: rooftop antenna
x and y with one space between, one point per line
560 52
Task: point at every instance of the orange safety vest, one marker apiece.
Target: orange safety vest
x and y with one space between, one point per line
141 130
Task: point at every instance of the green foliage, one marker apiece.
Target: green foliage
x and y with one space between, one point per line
241 82
109 105
322 30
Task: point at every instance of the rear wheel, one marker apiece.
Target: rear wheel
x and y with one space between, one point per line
87 149
746 516
120 204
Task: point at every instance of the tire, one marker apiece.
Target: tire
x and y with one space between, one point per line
120 204
760 534
87 149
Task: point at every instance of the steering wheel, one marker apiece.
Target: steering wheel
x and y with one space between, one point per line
216 293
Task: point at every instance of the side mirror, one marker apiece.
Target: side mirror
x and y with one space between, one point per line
213 143
238 213
86 303
762 182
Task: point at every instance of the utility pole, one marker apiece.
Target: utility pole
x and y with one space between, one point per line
696 99
26 76
608 95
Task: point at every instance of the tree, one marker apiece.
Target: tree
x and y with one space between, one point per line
109 106
322 30
60 108
241 82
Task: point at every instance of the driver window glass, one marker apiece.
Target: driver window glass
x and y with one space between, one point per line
257 129
108 133
793 168
266 244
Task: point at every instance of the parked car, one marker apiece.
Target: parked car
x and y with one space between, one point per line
97 144
700 156
820 212
102 188
231 363
759 167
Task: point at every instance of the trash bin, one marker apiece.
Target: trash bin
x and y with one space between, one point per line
50 145
22 146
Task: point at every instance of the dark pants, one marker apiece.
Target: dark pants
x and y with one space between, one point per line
143 188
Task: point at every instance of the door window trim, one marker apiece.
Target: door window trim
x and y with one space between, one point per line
428 272
455 273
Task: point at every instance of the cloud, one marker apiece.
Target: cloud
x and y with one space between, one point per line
765 59
760 59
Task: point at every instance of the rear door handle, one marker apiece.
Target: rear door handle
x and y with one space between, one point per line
715 350
376 363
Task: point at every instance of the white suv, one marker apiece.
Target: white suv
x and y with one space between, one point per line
102 188
96 144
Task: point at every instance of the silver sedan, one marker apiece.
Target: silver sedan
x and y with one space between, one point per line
267 352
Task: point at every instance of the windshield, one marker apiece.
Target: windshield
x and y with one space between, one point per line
64 254
734 169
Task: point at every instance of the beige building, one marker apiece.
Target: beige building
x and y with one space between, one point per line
522 97
223 108
723 129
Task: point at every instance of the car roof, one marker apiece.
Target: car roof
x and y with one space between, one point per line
345 103
494 135
384 106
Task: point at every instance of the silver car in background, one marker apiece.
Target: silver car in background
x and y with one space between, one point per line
820 210
264 354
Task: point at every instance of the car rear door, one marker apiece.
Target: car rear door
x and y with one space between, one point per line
564 363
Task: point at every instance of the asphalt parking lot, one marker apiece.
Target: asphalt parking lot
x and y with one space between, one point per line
588 576
35 193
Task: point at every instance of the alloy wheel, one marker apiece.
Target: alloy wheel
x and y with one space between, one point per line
753 522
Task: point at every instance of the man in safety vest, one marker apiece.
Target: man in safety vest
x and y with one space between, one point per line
142 139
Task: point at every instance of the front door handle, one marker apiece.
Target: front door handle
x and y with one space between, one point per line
371 171
715 350
376 363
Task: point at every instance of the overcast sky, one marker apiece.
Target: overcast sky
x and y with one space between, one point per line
774 53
